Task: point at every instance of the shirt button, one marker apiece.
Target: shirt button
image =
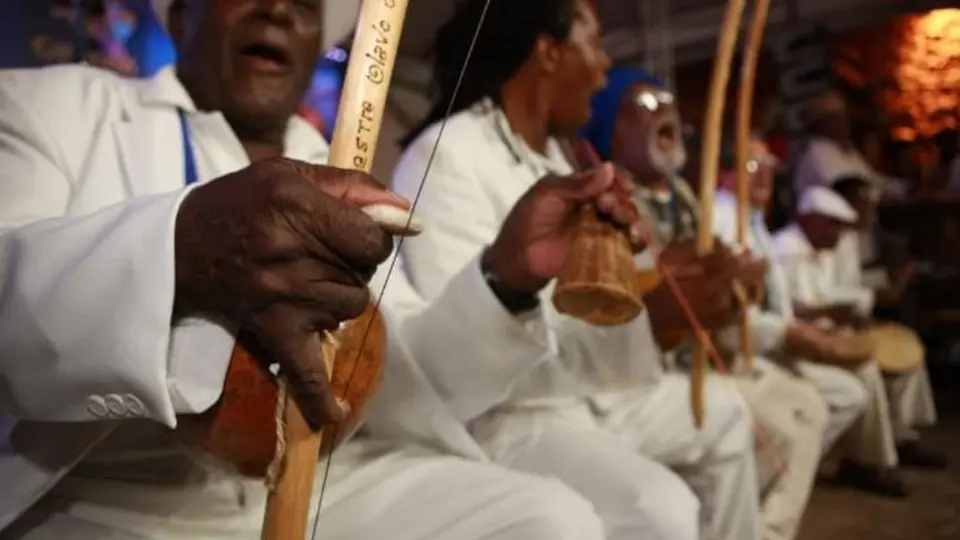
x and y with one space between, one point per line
135 407
97 406
116 405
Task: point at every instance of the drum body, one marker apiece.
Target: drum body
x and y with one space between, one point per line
240 432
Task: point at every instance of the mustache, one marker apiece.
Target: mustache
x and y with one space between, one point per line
671 160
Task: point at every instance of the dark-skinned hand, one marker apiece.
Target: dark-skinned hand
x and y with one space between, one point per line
281 250
535 239
752 276
706 283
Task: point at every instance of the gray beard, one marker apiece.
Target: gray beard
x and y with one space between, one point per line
668 163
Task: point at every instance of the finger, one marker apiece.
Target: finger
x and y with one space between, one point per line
291 343
622 183
394 220
584 186
318 288
640 236
354 187
351 234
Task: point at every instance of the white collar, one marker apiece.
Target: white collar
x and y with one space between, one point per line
553 161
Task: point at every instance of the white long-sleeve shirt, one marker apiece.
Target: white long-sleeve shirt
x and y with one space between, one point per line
480 170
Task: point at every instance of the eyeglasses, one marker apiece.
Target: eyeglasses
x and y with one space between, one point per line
754 163
652 100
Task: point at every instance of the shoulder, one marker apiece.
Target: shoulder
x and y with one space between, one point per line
453 147
453 137
65 93
724 203
789 241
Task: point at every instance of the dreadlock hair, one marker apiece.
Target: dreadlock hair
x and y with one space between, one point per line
506 39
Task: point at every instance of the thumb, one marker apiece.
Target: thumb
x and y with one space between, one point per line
584 186
355 188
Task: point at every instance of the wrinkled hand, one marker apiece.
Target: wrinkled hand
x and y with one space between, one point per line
706 284
282 250
535 239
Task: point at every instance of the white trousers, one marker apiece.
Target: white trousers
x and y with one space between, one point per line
408 494
895 405
844 394
718 461
635 497
790 419
911 403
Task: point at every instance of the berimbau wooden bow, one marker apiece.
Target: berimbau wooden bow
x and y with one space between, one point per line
748 75
359 117
256 428
709 155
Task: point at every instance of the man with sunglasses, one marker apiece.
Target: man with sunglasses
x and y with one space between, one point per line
773 329
636 124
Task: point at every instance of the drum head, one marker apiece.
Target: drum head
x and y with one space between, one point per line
898 349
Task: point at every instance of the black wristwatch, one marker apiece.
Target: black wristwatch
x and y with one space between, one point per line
514 301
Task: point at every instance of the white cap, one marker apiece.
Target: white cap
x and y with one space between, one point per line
826 202
339 18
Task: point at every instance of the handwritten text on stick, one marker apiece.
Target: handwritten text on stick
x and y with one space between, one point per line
377 59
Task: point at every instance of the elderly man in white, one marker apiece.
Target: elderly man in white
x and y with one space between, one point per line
526 85
117 319
806 252
774 329
635 122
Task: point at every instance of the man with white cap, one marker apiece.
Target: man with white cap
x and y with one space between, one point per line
805 250
122 292
831 153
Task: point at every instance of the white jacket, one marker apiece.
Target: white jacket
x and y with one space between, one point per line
813 277
768 327
91 178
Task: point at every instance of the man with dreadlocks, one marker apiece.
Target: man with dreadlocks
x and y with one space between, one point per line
635 123
534 66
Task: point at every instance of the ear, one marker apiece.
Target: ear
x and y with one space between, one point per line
546 53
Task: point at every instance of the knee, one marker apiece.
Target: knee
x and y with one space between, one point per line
729 418
672 511
814 408
551 510
855 396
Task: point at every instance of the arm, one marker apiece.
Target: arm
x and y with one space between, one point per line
86 300
470 348
459 219
767 329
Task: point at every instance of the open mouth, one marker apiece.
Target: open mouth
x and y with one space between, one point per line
667 135
266 57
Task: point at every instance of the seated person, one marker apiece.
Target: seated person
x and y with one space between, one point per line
527 87
122 291
636 124
806 252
